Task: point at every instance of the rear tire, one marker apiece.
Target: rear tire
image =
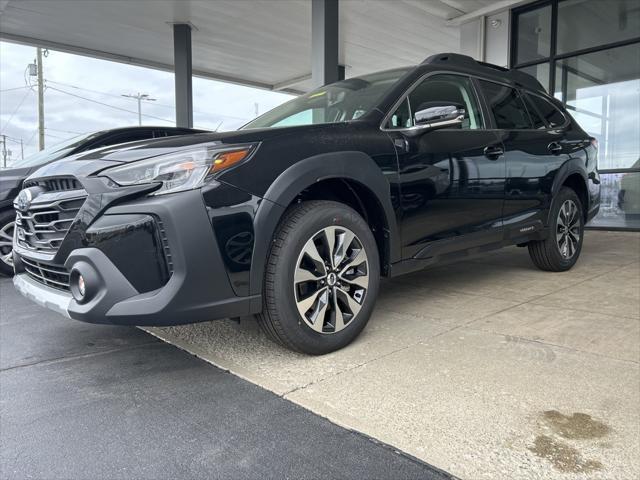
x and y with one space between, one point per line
560 251
321 279
7 222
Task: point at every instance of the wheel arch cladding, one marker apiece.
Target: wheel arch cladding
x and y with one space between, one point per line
362 178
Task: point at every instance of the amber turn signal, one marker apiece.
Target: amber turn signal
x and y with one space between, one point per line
225 160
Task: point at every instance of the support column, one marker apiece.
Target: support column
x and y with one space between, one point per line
324 43
183 74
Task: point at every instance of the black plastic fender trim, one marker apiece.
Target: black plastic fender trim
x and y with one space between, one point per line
352 165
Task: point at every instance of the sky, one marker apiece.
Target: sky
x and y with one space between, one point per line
101 84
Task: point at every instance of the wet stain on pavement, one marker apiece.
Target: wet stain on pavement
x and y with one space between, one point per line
564 457
578 426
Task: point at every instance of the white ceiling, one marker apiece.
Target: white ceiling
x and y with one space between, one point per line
265 43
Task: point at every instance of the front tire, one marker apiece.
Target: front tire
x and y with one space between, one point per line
7 224
560 251
322 278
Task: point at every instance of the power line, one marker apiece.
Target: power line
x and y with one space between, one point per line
14 88
108 105
64 131
17 108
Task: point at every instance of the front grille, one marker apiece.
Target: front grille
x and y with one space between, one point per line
55 276
56 184
55 205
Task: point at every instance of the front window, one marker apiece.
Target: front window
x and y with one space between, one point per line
339 102
439 90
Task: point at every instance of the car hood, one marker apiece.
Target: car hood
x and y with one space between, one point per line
93 161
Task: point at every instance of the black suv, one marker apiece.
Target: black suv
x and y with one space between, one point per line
297 215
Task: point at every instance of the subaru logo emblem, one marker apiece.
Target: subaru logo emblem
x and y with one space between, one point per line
23 200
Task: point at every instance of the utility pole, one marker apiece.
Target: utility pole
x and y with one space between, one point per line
21 150
140 97
40 101
4 151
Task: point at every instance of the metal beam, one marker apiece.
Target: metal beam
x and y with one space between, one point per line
183 72
324 42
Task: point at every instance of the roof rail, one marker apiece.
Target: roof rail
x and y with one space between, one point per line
465 61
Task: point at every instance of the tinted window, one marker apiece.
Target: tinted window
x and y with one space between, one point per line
536 118
441 90
551 115
339 102
507 106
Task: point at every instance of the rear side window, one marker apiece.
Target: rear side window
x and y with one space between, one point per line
507 106
538 121
550 113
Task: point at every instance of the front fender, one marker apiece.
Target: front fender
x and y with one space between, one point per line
355 166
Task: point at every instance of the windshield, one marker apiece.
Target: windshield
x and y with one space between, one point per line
54 152
339 102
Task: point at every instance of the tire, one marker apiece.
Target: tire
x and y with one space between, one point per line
7 219
560 251
316 303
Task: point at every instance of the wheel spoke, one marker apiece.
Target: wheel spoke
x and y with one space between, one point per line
360 257
344 242
305 304
320 310
311 251
330 239
351 302
6 244
8 259
338 321
303 275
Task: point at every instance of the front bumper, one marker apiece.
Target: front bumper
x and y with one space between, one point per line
198 287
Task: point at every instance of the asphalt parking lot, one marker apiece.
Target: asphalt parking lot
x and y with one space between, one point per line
82 401
486 368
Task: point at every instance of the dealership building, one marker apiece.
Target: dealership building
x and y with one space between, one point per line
585 52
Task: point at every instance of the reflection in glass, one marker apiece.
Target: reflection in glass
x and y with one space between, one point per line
602 92
620 200
588 23
534 34
540 71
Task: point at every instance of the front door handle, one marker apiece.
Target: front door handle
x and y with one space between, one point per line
555 148
493 152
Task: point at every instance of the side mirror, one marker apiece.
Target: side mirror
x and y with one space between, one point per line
433 117
439 116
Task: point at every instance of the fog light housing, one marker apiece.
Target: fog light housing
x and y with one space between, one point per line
81 288
82 283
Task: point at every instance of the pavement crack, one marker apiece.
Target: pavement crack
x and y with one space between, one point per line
65 358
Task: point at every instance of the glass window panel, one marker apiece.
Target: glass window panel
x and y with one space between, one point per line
507 106
540 72
589 23
534 34
602 92
538 122
553 116
620 201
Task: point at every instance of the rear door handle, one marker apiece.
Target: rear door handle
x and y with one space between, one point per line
555 148
493 152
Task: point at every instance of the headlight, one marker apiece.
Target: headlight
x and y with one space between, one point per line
180 171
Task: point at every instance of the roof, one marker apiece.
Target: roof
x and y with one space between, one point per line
260 43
